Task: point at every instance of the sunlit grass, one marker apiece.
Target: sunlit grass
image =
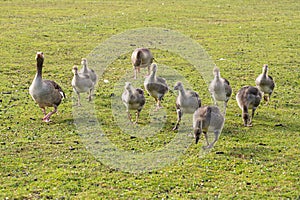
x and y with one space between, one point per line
40 160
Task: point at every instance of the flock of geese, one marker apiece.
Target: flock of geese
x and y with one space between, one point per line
47 93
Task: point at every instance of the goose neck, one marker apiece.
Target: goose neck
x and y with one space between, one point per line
265 72
39 68
181 91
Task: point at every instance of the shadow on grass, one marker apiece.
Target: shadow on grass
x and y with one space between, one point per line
260 150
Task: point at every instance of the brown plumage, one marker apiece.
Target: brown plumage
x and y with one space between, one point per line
156 86
46 93
206 119
248 97
141 58
265 83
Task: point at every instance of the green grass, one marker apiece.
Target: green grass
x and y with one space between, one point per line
40 160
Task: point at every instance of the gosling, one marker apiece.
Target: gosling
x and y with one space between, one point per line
82 83
265 83
206 119
248 97
220 89
186 102
133 99
156 86
141 58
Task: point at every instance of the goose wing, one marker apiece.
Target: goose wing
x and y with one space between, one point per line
55 86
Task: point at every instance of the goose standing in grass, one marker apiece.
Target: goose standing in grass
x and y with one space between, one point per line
248 97
186 102
206 119
85 70
141 58
133 99
156 86
46 93
220 88
82 83
265 83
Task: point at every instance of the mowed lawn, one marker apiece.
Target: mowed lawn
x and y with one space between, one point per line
53 161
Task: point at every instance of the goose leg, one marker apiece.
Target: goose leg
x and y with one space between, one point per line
206 137
158 105
90 95
47 117
129 116
245 115
252 116
135 72
267 98
217 134
44 112
225 106
78 101
197 130
179 115
137 116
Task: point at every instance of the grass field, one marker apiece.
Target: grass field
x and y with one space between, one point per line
53 161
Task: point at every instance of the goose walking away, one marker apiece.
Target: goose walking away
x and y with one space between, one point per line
82 83
220 88
46 93
248 97
156 86
133 99
265 83
141 58
207 119
187 101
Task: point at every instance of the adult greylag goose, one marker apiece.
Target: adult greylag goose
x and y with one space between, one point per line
265 83
85 70
156 86
46 93
82 83
220 88
187 101
133 99
248 97
141 58
206 119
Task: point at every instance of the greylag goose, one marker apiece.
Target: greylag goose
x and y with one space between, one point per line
205 119
82 83
187 101
156 86
133 99
87 71
248 97
46 93
141 58
265 83
220 88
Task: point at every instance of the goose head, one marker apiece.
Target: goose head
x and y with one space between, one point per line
265 68
39 57
127 86
216 72
75 69
178 86
84 61
153 67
